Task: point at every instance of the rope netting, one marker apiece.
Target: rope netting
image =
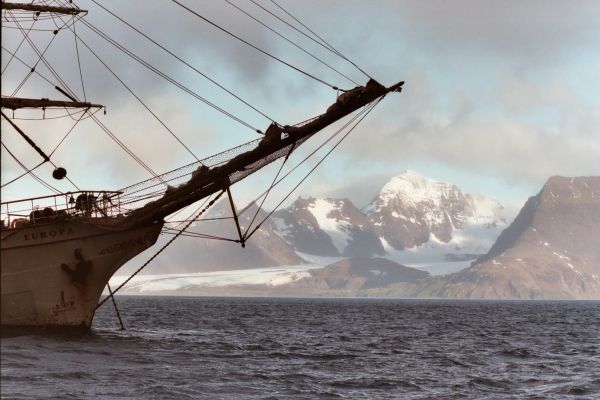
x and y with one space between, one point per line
137 195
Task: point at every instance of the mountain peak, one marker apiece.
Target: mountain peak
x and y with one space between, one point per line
550 250
410 173
561 189
409 189
408 179
327 227
411 207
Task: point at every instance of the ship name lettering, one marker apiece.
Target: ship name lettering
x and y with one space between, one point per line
45 234
122 246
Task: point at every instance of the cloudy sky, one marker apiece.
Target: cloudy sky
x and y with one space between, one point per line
499 96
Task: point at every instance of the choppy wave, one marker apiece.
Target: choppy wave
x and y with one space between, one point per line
215 348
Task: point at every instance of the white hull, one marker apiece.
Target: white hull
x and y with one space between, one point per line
53 274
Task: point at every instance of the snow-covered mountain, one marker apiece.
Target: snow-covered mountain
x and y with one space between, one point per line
550 251
411 210
327 227
413 220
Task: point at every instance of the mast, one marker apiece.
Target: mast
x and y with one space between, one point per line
39 8
15 103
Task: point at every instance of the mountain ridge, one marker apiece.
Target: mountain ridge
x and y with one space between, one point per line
550 251
409 212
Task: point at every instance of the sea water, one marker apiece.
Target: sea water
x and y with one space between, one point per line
251 348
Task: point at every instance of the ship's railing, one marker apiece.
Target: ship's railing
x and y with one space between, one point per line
85 203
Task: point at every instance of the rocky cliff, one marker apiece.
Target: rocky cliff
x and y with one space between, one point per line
327 227
550 251
435 220
411 210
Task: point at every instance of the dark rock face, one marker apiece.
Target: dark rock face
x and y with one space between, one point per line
363 243
511 235
300 228
410 209
358 273
327 227
550 251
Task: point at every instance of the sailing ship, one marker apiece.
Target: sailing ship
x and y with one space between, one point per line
58 252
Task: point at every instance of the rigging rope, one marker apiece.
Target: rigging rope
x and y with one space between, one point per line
199 235
254 47
295 28
48 66
314 168
167 77
348 123
25 36
267 192
26 137
66 177
72 116
23 174
30 172
184 62
181 231
32 70
78 59
197 220
290 41
137 97
67 134
333 49
18 47
101 125
34 145
94 118
27 65
276 181
124 147
191 214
